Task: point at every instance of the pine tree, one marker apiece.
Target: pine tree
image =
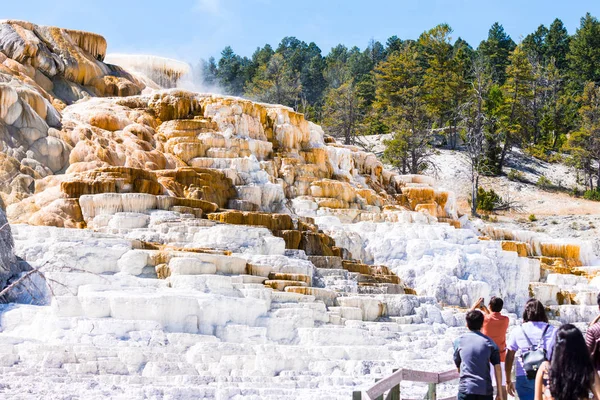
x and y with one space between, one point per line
336 70
359 64
208 71
584 53
495 51
375 51
306 61
342 112
231 71
439 73
538 95
555 121
460 86
275 83
557 44
312 81
518 93
584 144
393 44
535 45
401 99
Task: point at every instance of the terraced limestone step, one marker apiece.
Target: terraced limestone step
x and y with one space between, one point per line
348 313
326 296
280 284
326 262
291 277
262 270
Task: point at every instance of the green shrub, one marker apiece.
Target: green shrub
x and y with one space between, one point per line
487 200
556 158
544 182
532 218
592 195
515 175
544 152
538 151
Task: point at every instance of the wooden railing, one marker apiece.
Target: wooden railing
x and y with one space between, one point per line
391 384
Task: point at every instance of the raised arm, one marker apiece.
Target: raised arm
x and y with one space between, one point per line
477 304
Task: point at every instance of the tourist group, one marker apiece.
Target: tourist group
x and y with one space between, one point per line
551 363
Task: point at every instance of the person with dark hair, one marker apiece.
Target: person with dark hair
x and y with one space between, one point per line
473 354
592 339
495 326
535 334
571 374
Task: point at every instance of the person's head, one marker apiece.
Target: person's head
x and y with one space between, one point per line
571 371
474 320
496 304
598 300
534 311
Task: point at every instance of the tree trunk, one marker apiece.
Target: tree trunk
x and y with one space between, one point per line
453 136
555 141
347 136
474 189
505 149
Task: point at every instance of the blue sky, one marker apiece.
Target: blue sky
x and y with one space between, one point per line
191 29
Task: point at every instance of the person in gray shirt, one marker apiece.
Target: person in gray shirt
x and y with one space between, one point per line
473 354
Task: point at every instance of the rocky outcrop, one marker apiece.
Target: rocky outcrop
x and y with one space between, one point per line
8 262
226 151
41 70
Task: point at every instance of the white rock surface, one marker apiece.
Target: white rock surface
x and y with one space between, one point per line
211 331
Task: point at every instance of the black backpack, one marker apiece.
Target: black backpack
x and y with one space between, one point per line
535 356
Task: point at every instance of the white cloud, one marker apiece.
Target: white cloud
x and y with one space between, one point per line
208 6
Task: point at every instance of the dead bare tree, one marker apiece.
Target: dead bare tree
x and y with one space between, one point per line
474 120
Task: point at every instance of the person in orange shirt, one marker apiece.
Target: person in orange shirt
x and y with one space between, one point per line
495 326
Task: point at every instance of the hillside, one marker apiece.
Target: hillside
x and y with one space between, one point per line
558 213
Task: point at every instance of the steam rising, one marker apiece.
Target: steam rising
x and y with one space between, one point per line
161 72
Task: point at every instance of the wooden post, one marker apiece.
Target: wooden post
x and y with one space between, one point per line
380 397
394 393
432 391
356 395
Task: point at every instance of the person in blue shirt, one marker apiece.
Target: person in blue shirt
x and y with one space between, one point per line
535 330
473 354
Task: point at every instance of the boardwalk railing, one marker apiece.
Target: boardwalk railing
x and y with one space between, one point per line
392 384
